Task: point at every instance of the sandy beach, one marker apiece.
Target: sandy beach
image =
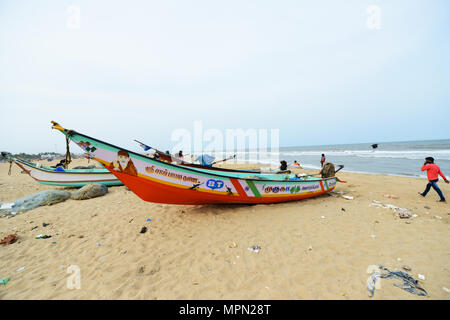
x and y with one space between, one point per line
317 248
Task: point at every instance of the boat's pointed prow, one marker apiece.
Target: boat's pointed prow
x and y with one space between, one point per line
55 125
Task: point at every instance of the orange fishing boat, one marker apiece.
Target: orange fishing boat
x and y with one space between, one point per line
161 182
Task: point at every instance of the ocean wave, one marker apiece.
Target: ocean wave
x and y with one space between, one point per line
411 155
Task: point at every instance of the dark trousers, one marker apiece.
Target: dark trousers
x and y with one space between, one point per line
433 183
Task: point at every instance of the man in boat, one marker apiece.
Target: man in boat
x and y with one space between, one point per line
123 164
62 164
433 172
283 165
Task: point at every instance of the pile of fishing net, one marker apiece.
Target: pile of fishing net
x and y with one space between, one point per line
49 197
43 198
93 166
91 190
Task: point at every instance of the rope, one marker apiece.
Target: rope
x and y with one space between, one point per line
68 156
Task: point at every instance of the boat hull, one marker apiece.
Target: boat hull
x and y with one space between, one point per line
74 178
157 192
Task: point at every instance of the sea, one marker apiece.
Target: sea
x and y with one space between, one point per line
392 158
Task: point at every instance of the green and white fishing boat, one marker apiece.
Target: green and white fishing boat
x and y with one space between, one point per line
65 177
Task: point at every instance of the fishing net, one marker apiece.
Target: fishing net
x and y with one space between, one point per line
87 167
43 198
89 191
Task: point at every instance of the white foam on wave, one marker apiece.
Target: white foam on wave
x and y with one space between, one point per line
411 155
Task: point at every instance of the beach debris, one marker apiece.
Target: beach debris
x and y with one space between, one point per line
45 224
437 217
148 220
89 191
409 283
391 196
406 268
427 207
373 236
233 245
20 269
323 217
43 198
421 276
446 289
53 242
402 213
342 209
9 239
310 248
6 205
42 236
348 197
254 248
4 281
35 227
335 194
372 282
144 230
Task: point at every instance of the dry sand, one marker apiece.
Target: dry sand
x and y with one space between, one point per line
186 254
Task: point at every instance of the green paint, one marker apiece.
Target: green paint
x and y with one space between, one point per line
253 188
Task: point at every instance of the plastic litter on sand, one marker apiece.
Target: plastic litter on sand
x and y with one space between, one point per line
255 249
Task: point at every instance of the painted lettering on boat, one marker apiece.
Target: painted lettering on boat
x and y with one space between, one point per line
291 189
214 184
170 174
311 187
331 183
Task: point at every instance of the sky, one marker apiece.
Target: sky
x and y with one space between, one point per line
321 72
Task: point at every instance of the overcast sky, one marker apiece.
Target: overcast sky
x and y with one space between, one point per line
319 71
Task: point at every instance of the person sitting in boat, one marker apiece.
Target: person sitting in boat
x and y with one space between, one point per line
179 157
123 164
283 167
61 164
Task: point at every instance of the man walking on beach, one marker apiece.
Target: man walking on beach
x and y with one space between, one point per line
433 172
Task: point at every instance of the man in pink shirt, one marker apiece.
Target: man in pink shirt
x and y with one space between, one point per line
433 172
